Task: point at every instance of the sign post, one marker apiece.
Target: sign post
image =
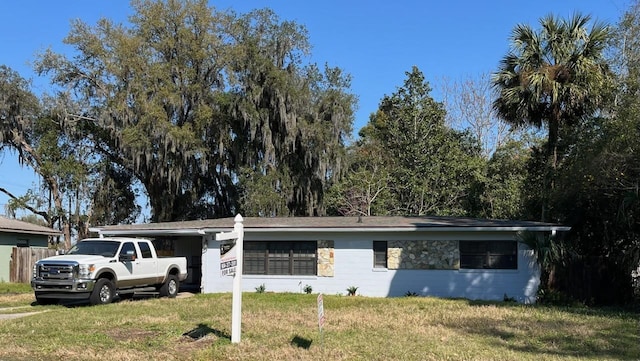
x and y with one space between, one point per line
321 318
231 263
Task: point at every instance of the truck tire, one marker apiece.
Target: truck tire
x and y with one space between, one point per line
170 287
103 292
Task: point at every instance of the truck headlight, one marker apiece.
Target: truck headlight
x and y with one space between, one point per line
85 270
35 271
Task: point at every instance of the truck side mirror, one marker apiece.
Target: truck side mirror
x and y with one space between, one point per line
128 256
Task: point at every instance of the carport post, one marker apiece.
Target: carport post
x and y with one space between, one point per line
236 307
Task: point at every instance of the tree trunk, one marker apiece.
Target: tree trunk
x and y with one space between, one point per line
54 187
552 163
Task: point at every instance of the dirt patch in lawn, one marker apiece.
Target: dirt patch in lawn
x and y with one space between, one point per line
118 334
194 340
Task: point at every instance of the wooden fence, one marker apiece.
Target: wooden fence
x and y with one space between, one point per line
22 260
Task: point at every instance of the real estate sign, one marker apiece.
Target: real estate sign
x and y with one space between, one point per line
228 259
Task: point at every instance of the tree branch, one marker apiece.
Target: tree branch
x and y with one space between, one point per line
43 214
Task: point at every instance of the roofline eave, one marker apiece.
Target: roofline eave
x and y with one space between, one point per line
395 229
204 231
142 232
22 231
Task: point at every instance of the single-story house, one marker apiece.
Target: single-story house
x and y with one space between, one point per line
15 233
381 256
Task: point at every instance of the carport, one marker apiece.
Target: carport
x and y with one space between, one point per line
171 239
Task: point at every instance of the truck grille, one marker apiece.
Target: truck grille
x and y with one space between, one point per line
49 271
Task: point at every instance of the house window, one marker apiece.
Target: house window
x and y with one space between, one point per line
380 254
280 258
488 255
22 243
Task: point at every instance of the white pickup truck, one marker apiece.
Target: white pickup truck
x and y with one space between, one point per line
99 269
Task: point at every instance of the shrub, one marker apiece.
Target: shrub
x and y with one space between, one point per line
556 298
351 291
261 288
307 289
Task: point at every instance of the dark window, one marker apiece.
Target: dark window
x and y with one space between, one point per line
127 247
254 258
145 249
489 254
101 248
22 243
380 254
280 258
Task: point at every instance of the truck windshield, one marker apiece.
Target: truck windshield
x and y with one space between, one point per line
98 248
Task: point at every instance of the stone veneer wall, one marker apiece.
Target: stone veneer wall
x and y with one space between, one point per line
325 258
441 254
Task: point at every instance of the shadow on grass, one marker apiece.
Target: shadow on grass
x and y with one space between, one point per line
65 303
301 342
73 303
619 312
556 334
203 330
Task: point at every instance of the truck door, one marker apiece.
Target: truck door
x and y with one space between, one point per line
126 269
147 266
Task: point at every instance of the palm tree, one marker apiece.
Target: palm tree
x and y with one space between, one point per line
552 77
548 253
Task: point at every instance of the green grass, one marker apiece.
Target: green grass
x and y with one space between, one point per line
15 295
6 287
284 327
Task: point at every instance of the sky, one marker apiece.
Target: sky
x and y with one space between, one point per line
376 42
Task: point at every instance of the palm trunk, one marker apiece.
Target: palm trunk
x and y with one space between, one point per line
552 164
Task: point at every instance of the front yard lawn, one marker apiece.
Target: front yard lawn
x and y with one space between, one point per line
285 327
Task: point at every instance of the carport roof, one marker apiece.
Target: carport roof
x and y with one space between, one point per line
328 224
8 225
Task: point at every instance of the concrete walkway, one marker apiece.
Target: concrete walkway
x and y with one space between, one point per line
11 316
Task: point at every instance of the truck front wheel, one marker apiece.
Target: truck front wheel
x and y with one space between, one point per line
103 292
170 287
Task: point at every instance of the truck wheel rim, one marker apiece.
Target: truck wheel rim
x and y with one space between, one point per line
105 293
172 287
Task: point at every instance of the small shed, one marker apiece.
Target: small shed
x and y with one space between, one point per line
15 233
381 256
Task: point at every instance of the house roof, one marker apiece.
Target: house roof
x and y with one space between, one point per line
9 225
328 224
